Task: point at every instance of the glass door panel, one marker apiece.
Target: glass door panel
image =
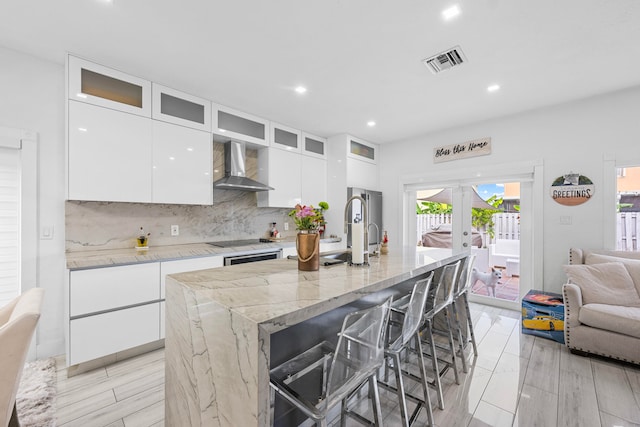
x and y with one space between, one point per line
495 215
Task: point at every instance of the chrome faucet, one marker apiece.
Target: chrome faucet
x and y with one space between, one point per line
365 219
376 251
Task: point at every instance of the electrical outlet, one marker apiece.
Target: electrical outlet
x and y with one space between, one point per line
286 226
175 230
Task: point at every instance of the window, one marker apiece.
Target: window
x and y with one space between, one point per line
9 224
628 209
18 212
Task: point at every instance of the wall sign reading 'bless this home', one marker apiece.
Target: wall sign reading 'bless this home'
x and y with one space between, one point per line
477 147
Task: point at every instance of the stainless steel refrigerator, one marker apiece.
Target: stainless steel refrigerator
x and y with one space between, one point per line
374 209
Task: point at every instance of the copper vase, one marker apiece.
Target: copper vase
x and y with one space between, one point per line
308 248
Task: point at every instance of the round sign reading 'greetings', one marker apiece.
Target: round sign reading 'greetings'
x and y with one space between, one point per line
572 189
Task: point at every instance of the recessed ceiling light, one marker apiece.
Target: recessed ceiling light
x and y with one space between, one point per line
301 89
451 12
189 148
371 123
493 88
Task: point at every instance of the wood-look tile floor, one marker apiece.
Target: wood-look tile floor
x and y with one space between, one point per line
517 380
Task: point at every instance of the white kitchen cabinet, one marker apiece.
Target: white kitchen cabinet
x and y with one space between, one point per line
181 266
290 251
285 137
182 165
163 322
281 170
106 87
362 164
363 151
313 180
361 174
112 309
109 155
332 246
172 106
230 124
190 264
314 146
98 289
92 337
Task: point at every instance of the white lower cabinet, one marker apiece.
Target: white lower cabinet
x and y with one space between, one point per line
333 246
183 265
99 335
289 251
101 289
112 309
162 320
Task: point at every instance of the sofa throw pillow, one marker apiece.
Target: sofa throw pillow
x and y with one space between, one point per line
632 265
607 283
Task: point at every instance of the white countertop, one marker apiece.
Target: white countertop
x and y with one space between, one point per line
275 294
112 257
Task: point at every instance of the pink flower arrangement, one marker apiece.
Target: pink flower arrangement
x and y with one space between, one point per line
308 217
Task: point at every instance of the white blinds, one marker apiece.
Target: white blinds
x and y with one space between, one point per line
9 224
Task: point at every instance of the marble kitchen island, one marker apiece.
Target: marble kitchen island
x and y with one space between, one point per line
221 324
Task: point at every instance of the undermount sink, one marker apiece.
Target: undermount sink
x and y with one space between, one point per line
331 258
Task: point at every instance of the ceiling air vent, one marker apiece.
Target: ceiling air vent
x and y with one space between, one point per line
445 60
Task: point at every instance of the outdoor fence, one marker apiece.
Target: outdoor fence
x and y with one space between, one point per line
627 231
507 226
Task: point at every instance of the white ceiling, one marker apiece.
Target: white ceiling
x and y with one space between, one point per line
359 59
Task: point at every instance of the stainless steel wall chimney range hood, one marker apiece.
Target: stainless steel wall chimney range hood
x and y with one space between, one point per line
234 171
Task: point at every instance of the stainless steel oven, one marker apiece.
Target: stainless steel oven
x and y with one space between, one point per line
252 257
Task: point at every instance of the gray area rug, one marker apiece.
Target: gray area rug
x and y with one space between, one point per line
37 393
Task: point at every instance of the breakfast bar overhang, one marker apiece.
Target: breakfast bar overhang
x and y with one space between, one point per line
225 325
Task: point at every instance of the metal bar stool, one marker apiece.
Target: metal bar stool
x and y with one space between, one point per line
412 309
435 306
323 376
460 296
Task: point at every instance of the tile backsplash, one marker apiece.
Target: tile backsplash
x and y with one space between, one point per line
114 225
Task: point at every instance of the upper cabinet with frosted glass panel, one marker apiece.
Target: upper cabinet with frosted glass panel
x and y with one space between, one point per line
106 87
314 146
362 164
285 138
230 124
172 106
361 150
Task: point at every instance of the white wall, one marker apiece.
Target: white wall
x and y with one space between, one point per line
32 99
571 137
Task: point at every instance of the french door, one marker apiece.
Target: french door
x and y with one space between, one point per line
523 265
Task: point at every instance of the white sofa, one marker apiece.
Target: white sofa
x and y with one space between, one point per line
503 250
603 329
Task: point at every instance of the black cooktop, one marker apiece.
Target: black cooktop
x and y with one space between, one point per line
232 243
